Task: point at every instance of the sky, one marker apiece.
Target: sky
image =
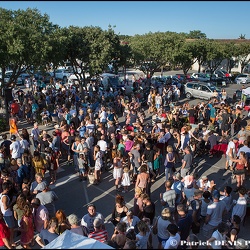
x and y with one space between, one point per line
217 19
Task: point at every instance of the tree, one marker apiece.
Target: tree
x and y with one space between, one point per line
242 36
196 34
184 56
200 50
90 50
242 54
24 41
153 50
216 53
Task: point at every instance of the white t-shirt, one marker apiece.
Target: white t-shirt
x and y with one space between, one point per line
173 242
231 145
216 211
103 145
219 238
16 149
103 116
202 184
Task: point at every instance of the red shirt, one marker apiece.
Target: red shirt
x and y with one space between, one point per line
4 232
15 108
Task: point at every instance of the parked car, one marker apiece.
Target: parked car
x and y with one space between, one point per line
242 79
222 73
61 74
200 90
24 76
200 77
8 74
42 76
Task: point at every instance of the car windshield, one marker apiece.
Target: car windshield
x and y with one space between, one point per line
212 87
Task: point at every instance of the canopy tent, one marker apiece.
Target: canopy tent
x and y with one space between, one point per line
69 240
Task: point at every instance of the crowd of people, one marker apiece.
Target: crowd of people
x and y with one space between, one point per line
106 130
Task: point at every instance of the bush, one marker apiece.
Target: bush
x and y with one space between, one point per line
3 124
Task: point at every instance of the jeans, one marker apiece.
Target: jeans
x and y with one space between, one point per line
168 171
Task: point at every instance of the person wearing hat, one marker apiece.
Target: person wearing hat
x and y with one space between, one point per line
15 148
99 234
231 153
215 212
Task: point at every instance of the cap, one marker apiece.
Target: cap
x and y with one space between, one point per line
41 186
13 137
235 138
56 126
97 222
204 177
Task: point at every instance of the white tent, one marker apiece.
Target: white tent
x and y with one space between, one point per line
246 91
69 240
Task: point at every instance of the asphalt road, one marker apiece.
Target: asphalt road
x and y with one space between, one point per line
75 195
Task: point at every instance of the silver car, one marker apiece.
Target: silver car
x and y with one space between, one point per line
200 90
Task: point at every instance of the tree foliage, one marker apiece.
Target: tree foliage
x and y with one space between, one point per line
242 52
153 50
24 39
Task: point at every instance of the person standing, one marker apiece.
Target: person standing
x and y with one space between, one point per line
4 234
49 234
98 164
168 198
186 162
47 198
40 215
13 125
15 148
6 205
231 153
26 227
215 213
99 234
35 133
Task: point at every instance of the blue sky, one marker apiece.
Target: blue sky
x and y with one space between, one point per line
217 19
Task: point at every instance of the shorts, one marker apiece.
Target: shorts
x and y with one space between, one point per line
10 222
162 241
82 171
229 161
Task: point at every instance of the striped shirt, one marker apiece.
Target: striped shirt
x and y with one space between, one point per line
100 235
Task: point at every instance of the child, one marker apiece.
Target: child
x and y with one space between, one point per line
169 162
125 180
51 164
81 165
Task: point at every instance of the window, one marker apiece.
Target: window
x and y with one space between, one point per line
204 88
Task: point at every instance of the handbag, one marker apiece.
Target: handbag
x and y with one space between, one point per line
155 228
